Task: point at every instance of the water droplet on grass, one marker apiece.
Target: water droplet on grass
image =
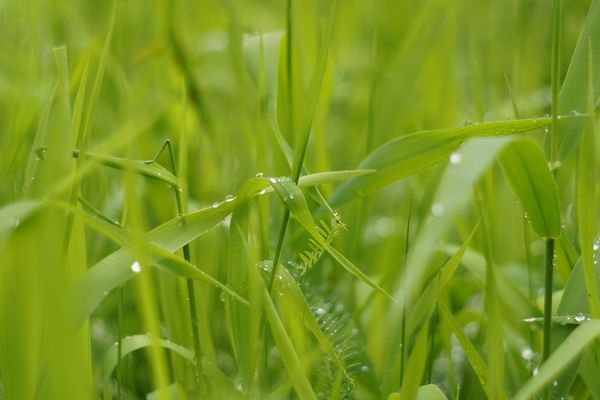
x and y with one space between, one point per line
259 174
320 311
456 158
229 198
136 267
437 209
580 317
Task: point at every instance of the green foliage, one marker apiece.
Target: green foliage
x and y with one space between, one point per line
325 217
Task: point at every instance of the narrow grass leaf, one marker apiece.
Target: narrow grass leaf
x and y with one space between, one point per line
292 293
288 354
586 195
576 83
145 168
568 351
525 167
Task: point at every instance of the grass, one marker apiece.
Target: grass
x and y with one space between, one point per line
314 200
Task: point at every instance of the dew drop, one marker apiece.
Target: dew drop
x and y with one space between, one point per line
320 311
136 267
580 317
596 247
364 368
215 205
259 174
456 158
229 198
437 209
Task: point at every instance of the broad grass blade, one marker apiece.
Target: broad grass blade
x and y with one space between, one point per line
414 152
525 167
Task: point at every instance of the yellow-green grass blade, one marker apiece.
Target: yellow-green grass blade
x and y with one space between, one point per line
115 269
424 392
415 152
292 293
526 170
243 322
577 79
416 365
586 195
560 359
289 356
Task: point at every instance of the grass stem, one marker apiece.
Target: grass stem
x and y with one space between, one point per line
549 270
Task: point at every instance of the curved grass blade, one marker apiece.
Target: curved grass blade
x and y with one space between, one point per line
576 82
414 152
151 170
14 214
138 342
115 269
525 167
561 358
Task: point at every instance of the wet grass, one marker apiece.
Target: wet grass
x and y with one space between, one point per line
276 200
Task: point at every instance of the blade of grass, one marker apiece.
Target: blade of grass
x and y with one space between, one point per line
571 348
571 98
414 152
586 196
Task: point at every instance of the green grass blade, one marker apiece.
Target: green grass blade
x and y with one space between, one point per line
568 351
586 196
296 203
414 152
527 172
477 362
151 170
571 98
429 392
289 356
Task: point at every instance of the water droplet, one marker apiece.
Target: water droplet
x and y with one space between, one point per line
437 209
259 174
262 192
320 311
229 198
456 158
527 353
596 247
215 205
222 297
364 368
467 123
136 267
580 317
385 227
